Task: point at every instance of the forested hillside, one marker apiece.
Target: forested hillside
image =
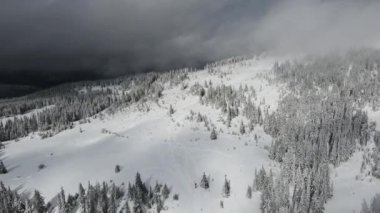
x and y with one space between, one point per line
10 90
245 134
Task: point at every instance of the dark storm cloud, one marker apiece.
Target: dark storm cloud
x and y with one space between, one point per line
119 36
63 39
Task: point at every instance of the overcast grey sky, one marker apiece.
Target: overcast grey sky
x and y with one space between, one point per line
113 37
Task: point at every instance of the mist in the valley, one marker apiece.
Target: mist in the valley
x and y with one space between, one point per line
44 42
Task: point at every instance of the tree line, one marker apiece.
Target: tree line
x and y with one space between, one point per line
138 197
78 102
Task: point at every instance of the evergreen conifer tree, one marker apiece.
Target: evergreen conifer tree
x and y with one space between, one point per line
249 192
171 110
204 182
226 187
38 202
3 169
165 192
213 135
242 128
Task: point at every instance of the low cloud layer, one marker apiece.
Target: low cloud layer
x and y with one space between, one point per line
304 26
62 39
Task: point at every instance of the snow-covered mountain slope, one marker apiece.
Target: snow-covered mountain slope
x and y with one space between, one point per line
167 148
351 186
349 190
175 148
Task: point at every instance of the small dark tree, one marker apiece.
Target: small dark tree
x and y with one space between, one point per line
226 188
229 117
199 117
82 198
175 197
171 110
160 205
251 126
62 201
71 202
376 138
213 135
204 182
41 166
242 128
140 191
38 202
157 188
165 192
249 192
117 168
3 169
131 191
138 181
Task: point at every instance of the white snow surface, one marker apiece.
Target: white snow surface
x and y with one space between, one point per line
173 150
350 186
170 149
349 192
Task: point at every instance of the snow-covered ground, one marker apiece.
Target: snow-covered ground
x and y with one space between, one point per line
350 186
170 149
349 192
173 150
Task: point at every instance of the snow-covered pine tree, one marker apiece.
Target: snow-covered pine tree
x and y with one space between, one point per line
249 192
131 192
82 198
376 138
38 203
373 207
199 117
213 135
140 190
117 168
3 169
176 197
251 126
157 187
159 205
113 198
62 202
171 110
91 198
229 117
226 187
99 198
204 182
165 192
242 128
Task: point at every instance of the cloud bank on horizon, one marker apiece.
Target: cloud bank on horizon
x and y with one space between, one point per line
117 37
307 26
